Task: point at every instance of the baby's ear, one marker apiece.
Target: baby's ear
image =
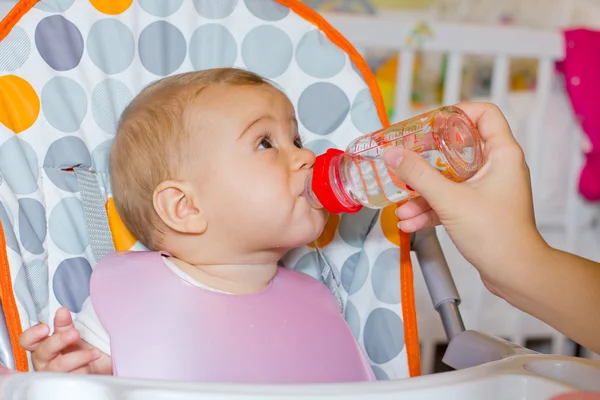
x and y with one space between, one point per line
177 206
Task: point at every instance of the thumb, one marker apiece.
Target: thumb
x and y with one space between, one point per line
414 171
62 320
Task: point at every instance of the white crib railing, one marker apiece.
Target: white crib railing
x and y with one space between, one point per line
502 43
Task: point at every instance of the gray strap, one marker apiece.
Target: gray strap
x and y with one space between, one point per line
96 219
331 278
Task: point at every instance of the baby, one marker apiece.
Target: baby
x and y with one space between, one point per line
208 171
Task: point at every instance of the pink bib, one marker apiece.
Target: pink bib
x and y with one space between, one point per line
162 327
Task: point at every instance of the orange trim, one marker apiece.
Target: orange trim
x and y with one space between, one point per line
411 335
9 307
14 15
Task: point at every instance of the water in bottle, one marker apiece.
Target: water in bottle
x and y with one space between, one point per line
345 181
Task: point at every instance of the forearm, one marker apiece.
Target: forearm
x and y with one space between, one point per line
560 289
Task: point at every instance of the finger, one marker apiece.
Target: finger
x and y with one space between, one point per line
53 345
73 361
31 337
63 320
419 222
490 122
414 171
413 208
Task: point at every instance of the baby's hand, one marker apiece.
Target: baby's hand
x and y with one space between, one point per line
63 351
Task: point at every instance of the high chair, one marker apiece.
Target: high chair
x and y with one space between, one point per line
68 68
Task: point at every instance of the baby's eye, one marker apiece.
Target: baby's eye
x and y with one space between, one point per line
265 143
298 142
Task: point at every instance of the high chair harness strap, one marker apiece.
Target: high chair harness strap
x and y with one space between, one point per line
96 218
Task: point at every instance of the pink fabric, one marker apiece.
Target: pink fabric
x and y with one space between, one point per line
162 327
581 68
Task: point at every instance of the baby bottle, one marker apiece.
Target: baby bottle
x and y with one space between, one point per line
345 181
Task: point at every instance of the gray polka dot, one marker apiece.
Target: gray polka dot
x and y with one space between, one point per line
323 107
67 227
66 152
352 319
36 272
309 265
319 146
385 277
318 57
71 283
379 373
109 99
267 50
19 165
215 9
162 48
383 335
9 232
54 5
59 42
16 46
23 295
32 225
354 228
64 103
212 46
160 8
267 10
364 113
101 156
110 45
354 272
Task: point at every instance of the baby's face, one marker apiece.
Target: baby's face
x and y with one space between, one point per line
251 169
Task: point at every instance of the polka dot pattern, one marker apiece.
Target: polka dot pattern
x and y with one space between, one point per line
71 283
64 104
54 6
24 101
354 228
268 61
66 226
215 9
112 7
19 166
162 48
160 8
7 226
59 42
364 113
385 277
109 100
383 335
110 45
323 107
354 272
318 57
32 225
267 10
203 52
64 111
18 45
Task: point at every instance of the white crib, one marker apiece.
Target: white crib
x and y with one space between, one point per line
543 123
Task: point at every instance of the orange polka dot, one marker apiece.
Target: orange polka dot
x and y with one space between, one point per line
112 7
19 103
389 224
328 232
122 238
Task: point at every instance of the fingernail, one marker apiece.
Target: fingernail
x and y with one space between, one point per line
393 157
96 353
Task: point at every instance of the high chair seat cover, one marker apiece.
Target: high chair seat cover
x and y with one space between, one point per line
162 327
67 70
